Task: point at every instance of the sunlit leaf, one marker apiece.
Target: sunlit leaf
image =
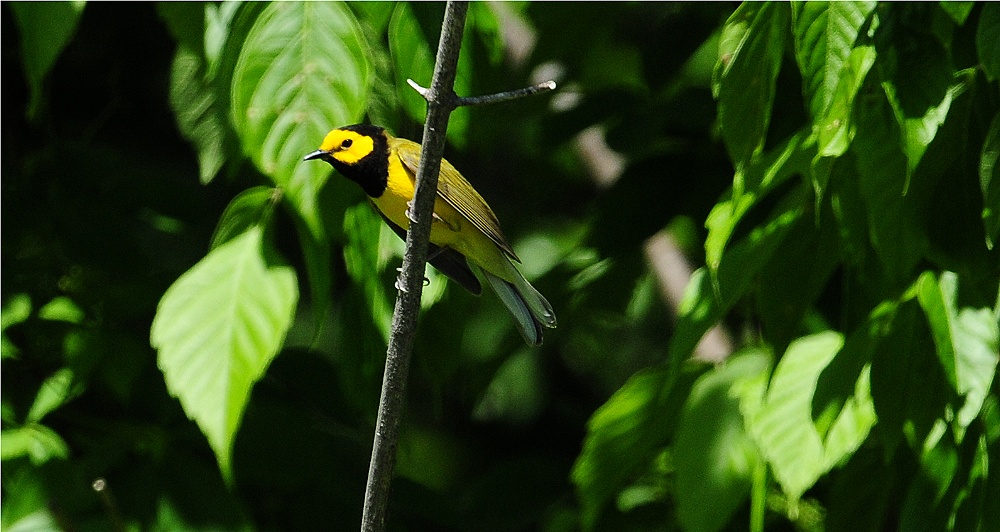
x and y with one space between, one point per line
61 308
624 435
217 329
715 456
771 170
784 429
15 310
741 263
301 72
918 131
825 33
750 54
55 391
45 30
199 116
249 208
35 441
966 339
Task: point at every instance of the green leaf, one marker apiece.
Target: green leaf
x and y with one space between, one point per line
216 330
36 441
58 389
918 131
958 11
714 455
967 341
16 310
711 293
784 429
362 229
790 283
61 308
895 221
200 117
825 33
301 72
988 40
989 182
625 434
516 395
186 22
834 128
909 388
762 176
750 55
249 208
45 30
412 43
377 14
741 264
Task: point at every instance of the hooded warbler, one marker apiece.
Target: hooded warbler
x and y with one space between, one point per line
465 233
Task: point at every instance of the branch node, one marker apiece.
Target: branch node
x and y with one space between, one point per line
422 91
539 88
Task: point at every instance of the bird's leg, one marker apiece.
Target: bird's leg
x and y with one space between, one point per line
399 285
434 216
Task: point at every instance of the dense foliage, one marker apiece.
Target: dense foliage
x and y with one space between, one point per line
195 320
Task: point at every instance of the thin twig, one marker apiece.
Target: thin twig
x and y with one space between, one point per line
499 97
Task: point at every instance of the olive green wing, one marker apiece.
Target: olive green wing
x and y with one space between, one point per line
458 192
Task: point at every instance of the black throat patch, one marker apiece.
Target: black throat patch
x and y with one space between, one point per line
372 170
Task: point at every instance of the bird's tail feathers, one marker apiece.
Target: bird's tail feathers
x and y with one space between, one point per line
531 311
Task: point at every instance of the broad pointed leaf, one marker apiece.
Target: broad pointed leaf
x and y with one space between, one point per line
919 130
249 208
216 330
45 30
750 54
825 33
784 429
625 434
199 116
715 456
966 341
758 179
301 72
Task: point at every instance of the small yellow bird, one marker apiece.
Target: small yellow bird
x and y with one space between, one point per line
465 233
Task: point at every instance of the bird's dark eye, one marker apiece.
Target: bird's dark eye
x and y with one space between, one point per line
346 144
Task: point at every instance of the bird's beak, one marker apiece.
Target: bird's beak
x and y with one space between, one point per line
318 154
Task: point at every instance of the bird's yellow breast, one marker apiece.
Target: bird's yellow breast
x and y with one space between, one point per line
449 224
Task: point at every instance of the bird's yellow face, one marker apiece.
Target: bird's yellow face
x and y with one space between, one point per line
347 146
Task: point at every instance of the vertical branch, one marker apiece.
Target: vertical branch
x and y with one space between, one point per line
440 103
